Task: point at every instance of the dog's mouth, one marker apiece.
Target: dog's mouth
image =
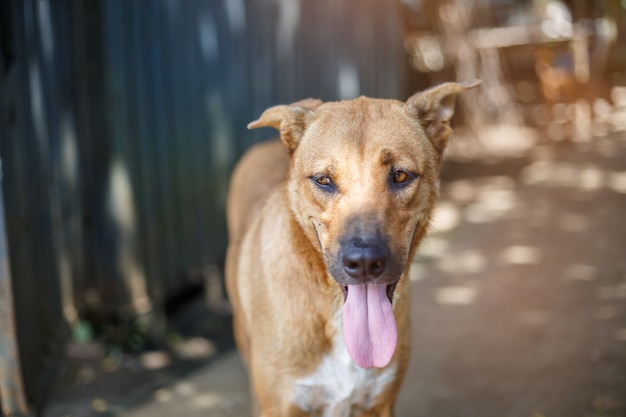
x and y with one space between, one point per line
390 289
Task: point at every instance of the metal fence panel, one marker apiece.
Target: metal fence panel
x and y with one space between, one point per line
129 116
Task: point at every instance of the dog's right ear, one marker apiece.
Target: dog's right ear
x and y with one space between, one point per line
290 120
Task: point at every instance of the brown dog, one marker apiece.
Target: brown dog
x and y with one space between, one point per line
322 237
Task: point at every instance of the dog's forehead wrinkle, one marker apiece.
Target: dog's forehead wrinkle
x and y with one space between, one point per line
406 158
386 156
323 167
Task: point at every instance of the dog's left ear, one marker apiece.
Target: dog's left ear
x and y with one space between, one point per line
434 109
290 120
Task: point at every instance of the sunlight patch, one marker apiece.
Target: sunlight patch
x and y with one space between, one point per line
206 401
496 198
471 262
591 179
617 182
456 295
462 191
434 247
445 218
465 262
155 360
185 389
521 255
163 395
195 348
417 272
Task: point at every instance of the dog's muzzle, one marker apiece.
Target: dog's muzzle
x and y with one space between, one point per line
361 262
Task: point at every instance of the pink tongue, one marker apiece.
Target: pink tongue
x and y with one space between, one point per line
369 326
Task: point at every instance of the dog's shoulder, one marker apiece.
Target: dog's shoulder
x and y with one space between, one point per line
262 168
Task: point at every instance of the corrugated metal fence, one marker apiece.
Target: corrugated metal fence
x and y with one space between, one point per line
120 123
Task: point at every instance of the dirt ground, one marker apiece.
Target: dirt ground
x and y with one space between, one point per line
519 299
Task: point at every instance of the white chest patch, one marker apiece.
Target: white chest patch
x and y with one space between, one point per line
338 383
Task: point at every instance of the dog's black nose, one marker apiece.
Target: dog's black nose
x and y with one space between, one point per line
364 262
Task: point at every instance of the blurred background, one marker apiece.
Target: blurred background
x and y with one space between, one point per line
120 122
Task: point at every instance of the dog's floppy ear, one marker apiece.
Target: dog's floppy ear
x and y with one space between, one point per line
434 109
290 120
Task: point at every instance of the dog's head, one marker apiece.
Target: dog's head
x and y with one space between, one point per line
363 182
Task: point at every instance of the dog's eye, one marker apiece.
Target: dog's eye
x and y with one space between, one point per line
400 177
324 182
